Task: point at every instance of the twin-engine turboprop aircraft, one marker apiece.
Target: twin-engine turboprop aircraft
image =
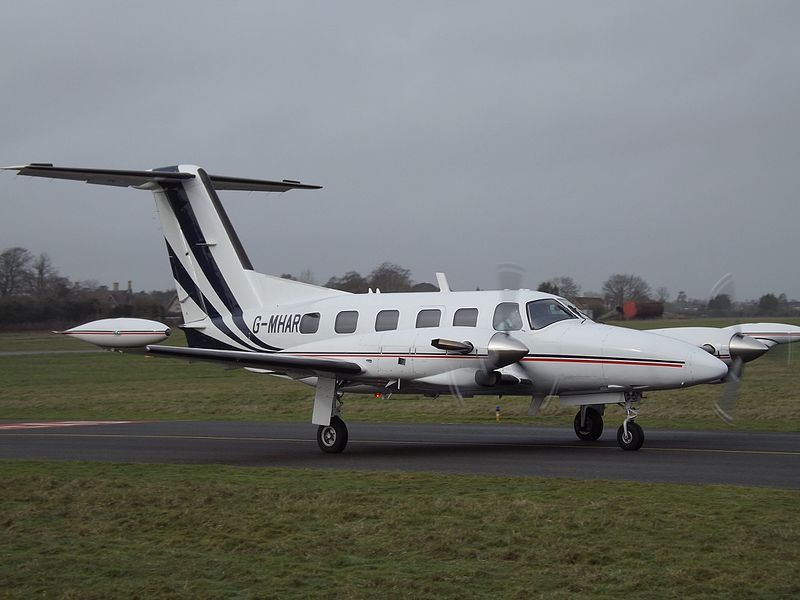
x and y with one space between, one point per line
447 342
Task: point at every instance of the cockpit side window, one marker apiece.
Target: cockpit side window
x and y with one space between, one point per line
506 317
542 313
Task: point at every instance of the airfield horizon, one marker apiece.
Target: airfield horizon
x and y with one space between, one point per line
64 383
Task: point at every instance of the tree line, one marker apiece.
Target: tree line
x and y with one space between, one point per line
33 292
34 295
387 277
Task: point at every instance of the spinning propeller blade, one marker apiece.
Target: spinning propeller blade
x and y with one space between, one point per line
742 349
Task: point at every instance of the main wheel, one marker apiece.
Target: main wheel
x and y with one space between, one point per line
332 438
634 439
592 425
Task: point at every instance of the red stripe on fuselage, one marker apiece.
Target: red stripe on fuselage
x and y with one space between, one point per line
597 361
111 332
605 361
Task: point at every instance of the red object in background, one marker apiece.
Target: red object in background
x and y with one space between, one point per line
647 309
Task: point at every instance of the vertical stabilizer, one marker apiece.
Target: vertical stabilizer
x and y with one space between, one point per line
213 275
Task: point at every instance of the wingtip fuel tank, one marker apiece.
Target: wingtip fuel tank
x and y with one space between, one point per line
120 332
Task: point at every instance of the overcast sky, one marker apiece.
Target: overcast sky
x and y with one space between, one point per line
571 138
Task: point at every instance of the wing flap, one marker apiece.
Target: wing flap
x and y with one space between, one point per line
260 360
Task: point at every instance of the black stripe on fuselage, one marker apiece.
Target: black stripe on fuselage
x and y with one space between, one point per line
226 222
182 208
195 339
179 202
188 284
185 280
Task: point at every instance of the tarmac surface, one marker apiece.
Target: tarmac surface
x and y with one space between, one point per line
672 456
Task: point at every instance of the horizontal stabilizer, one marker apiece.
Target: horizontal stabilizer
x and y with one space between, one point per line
263 360
122 178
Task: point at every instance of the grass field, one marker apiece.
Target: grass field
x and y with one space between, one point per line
78 530
120 386
98 530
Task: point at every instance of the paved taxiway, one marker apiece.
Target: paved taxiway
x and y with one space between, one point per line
701 457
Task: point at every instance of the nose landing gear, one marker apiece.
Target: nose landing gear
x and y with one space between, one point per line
630 436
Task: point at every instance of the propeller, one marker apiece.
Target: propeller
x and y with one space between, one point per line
742 349
502 350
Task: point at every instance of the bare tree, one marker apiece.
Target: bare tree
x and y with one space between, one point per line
390 277
44 275
619 288
307 276
15 273
567 287
662 294
548 287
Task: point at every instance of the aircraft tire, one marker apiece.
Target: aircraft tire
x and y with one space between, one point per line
332 438
635 437
592 428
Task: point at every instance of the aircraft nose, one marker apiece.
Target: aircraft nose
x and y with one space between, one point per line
706 368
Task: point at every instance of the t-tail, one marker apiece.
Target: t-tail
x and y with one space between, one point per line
214 277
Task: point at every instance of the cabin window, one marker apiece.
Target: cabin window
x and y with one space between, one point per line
507 317
429 317
542 313
346 321
386 320
309 323
466 317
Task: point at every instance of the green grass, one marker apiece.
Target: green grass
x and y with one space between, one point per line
37 341
703 322
121 386
81 530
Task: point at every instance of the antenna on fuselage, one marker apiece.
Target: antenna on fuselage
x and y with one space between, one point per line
441 281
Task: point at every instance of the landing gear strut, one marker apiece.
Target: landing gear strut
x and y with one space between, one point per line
332 432
588 424
630 436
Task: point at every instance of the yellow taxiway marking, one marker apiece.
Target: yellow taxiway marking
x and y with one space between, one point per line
392 442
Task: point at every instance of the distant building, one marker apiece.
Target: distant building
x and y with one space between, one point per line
591 305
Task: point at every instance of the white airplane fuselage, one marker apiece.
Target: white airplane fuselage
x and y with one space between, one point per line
571 356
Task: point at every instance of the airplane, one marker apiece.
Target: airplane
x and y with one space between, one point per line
467 343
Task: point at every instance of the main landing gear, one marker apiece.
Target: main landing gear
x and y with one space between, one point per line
331 430
332 438
588 423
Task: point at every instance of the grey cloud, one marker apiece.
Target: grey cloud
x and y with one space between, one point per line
572 138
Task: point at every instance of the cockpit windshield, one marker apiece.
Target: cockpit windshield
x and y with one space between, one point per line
542 313
580 314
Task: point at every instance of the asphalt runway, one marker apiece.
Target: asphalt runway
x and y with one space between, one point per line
673 456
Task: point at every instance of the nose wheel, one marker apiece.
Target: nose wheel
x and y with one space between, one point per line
632 439
630 436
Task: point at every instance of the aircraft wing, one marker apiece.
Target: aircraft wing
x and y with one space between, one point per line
123 178
261 360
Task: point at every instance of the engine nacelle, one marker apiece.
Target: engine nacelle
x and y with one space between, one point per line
726 343
120 333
